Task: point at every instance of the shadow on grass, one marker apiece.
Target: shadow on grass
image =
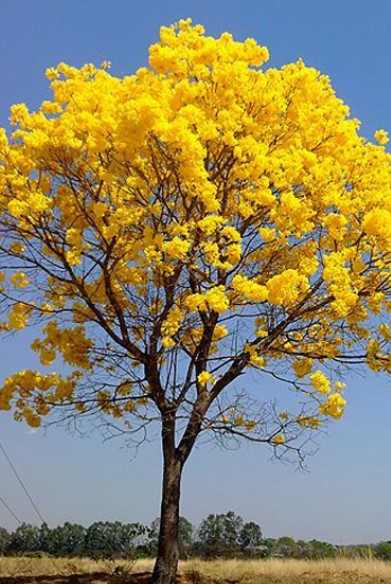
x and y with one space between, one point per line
97 578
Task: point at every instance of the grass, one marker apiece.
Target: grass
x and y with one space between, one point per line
269 571
276 571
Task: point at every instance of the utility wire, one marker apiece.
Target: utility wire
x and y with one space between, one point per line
21 482
25 490
10 510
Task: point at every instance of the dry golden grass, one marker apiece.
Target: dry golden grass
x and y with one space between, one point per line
26 566
269 571
293 571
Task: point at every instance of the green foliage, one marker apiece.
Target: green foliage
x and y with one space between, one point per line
382 550
105 539
219 535
67 540
321 549
250 536
185 536
101 539
4 539
24 539
227 535
288 547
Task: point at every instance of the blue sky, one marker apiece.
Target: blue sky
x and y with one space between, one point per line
345 496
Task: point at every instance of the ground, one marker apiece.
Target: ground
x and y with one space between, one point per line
274 571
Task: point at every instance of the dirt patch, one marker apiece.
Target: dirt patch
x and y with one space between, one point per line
121 577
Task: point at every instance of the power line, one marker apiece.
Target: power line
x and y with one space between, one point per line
25 490
10 510
21 482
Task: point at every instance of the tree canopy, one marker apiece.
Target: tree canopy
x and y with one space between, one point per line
170 230
200 210
201 207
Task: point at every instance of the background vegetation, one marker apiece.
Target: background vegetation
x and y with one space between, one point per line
224 535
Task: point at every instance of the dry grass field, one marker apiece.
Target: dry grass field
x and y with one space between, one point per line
273 571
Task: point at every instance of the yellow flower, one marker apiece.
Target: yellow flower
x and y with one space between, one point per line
381 136
19 315
168 342
302 367
205 377
177 248
19 280
17 247
334 407
73 258
378 222
286 288
249 289
194 302
216 299
51 74
320 382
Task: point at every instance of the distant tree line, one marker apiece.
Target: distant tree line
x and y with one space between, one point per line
221 535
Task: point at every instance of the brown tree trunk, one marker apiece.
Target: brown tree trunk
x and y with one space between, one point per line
166 565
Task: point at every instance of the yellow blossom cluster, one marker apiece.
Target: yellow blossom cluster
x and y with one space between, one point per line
239 420
19 280
312 422
334 406
249 289
71 343
381 136
156 210
18 315
214 299
287 288
205 377
255 359
302 367
171 326
320 382
30 387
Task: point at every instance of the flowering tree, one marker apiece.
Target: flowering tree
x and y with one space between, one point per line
169 231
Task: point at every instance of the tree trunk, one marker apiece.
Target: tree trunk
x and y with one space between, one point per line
166 565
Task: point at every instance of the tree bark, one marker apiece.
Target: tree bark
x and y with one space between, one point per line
166 565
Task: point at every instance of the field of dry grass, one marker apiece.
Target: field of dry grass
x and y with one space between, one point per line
273 571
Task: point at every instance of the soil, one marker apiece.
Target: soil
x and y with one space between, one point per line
120 577
98 578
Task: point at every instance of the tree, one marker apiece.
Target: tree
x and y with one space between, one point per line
185 535
4 539
171 230
286 546
67 540
320 549
108 539
45 538
24 539
382 550
220 534
250 536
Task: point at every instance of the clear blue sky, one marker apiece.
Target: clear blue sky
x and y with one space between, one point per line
346 495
